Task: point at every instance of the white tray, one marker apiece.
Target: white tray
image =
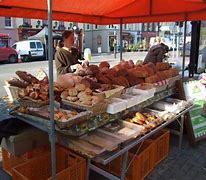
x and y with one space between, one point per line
115 106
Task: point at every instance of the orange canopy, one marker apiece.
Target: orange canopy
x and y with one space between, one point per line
107 11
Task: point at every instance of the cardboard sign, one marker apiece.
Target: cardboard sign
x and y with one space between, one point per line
195 91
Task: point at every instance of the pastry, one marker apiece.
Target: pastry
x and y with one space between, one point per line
85 98
43 97
80 87
72 92
22 93
29 89
161 66
96 99
86 103
64 94
70 98
104 64
34 95
88 91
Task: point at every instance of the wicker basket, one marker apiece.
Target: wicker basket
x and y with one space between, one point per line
12 92
28 102
98 108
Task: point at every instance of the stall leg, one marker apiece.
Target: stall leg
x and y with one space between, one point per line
88 169
181 132
52 140
124 165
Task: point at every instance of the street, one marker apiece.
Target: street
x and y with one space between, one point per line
8 70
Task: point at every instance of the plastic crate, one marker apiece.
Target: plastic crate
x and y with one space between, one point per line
9 161
69 166
161 145
142 163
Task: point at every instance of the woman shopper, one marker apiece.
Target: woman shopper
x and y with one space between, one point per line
66 57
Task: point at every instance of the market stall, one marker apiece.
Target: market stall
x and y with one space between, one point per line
107 12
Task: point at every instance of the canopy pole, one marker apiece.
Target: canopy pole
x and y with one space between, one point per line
120 39
51 90
184 44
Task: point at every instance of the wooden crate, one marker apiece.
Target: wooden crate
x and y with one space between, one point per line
161 145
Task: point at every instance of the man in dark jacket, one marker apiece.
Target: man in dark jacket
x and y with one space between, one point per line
156 53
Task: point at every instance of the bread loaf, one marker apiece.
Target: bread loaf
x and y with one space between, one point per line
18 83
27 77
161 66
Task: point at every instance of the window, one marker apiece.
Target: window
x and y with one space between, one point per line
111 26
32 45
8 22
96 26
88 26
39 45
14 46
26 21
125 26
3 43
45 23
61 23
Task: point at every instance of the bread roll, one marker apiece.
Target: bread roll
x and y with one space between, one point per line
72 92
80 87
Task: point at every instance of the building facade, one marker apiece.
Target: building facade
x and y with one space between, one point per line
101 38
21 28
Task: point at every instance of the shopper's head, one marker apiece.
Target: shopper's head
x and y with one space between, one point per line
68 38
158 40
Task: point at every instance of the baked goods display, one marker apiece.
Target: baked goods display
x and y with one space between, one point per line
145 119
80 94
34 91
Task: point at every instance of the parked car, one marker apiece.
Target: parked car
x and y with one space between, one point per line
7 53
29 49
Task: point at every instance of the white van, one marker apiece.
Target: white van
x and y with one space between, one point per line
29 49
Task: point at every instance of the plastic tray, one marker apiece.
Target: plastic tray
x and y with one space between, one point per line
130 100
132 129
116 105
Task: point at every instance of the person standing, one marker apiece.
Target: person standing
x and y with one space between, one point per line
156 53
66 57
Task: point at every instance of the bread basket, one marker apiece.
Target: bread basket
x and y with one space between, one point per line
96 109
29 102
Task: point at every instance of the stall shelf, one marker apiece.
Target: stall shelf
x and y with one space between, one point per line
108 157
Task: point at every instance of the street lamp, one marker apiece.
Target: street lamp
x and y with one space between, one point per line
115 43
